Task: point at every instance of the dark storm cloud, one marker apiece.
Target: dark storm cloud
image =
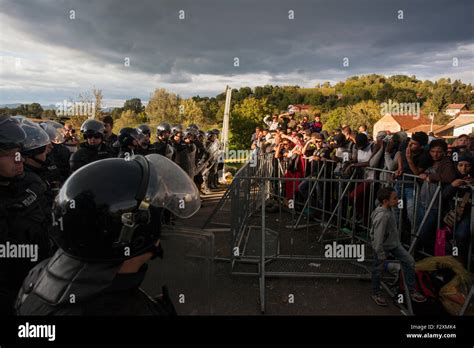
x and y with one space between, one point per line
257 32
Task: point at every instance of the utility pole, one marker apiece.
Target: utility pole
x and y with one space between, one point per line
225 126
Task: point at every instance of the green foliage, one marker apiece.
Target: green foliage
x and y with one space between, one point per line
353 101
365 112
163 106
134 104
244 118
128 119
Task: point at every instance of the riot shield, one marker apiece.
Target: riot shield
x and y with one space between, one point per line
214 153
186 269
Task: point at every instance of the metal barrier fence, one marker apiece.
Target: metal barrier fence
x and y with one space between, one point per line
283 224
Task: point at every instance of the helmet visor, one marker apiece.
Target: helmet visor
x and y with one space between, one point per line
171 188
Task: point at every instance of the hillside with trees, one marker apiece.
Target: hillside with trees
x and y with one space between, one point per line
354 101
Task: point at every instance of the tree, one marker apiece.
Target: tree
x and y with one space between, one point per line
98 97
385 93
163 106
365 112
116 113
440 98
34 110
128 119
49 114
134 104
244 118
405 96
191 112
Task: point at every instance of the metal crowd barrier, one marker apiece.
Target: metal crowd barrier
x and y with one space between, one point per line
276 243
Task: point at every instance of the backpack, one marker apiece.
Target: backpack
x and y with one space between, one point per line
428 285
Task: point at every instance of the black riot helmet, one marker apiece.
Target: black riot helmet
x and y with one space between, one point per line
210 133
101 216
177 128
11 134
54 130
92 127
144 129
36 138
127 135
162 128
193 125
191 132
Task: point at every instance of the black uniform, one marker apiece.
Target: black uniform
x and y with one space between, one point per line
109 141
186 157
109 224
144 151
160 147
59 157
125 151
87 154
63 285
23 220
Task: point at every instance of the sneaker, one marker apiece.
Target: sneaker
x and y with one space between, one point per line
417 297
380 300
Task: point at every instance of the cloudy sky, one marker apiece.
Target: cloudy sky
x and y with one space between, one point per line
47 56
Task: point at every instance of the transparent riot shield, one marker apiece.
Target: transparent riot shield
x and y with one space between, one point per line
186 269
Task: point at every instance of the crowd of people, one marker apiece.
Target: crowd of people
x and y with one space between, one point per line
413 165
37 158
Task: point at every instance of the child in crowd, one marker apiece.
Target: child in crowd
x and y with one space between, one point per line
385 240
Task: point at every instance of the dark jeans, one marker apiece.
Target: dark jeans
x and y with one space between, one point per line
408 197
407 264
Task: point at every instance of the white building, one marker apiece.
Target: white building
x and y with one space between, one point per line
454 109
462 124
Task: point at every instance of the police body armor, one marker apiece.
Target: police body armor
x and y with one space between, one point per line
23 221
87 154
63 285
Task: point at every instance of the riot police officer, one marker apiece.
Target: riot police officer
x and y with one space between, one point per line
57 159
162 144
22 216
128 142
185 150
201 154
93 148
110 228
35 151
144 147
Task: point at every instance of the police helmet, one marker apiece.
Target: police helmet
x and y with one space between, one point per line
127 135
92 127
36 138
11 134
144 129
101 216
162 128
54 131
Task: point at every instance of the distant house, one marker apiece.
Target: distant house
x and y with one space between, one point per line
454 109
300 107
407 123
462 124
